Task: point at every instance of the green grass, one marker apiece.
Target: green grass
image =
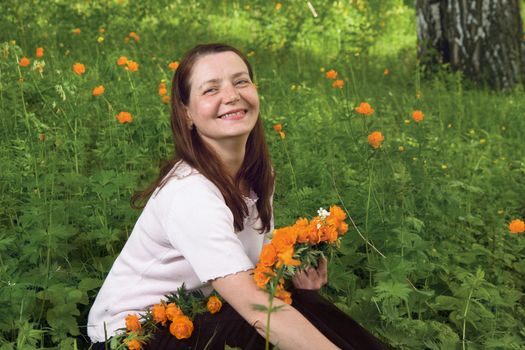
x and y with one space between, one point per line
435 199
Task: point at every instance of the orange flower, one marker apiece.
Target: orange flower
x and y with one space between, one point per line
79 68
338 84
124 117
134 36
282 134
308 232
284 295
158 312
517 226
133 323
418 116
132 66
301 227
214 304
166 99
331 74
24 62
162 89
286 258
278 6
365 109
181 327
262 275
337 213
99 90
133 344
76 31
172 311
375 139
386 71
284 238
268 255
278 127
328 234
122 61
173 65
39 52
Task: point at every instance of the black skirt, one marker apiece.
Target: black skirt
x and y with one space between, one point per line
227 327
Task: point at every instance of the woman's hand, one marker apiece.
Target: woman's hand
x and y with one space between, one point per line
312 278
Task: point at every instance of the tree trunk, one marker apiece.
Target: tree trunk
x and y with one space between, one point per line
482 38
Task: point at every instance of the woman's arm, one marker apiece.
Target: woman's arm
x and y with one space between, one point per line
289 329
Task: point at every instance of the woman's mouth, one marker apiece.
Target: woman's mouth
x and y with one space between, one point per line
234 115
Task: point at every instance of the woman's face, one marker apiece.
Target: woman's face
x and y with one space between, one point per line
223 103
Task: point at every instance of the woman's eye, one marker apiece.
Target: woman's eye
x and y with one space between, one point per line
209 90
242 82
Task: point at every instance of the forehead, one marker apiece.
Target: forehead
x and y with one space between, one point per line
216 66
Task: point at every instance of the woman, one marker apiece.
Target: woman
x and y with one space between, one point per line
205 222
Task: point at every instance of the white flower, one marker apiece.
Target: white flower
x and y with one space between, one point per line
323 214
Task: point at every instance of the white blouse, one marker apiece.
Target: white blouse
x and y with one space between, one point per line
184 234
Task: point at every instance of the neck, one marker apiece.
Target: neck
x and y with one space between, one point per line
231 152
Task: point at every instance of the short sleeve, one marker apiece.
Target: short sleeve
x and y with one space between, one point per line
200 226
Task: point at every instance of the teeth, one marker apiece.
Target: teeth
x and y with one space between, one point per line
229 115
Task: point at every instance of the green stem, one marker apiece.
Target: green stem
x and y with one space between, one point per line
294 179
465 318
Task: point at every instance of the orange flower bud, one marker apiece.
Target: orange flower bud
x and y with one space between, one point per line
172 311
278 127
99 90
284 295
331 74
133 344
166 99
268 255
133 323
124 117
173 65
338 84
76 31
517 226
365 109
39 52
24 62
79 68
122 61
375 139
132 66
181 327
158 312
418 116
214 304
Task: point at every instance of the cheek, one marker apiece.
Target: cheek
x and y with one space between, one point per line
205 107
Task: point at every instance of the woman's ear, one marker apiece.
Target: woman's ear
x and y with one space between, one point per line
189 118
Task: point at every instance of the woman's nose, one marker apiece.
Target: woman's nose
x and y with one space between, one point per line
231 94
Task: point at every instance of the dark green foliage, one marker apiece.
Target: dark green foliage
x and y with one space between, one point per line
435 200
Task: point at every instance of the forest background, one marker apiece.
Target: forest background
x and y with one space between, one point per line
433 198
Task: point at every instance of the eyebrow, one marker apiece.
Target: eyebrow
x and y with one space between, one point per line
238 74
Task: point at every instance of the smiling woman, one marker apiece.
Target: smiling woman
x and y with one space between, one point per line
206 219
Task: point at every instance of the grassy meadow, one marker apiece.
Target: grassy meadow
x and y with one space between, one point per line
429 261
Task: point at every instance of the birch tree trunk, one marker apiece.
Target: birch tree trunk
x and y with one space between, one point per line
482 38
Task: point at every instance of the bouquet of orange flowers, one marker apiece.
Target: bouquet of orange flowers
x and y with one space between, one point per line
176 312
296 246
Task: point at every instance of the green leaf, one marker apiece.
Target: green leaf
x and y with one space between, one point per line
392 290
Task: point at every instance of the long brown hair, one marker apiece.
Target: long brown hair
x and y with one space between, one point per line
256 168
